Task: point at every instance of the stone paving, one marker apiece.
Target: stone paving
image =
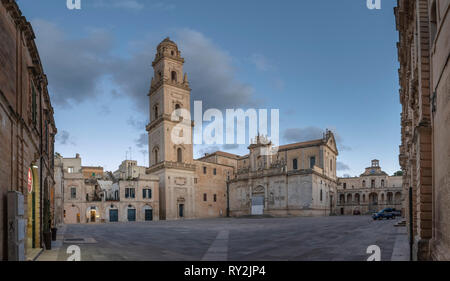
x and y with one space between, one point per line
236 239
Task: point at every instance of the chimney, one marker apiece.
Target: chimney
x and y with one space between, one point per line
77 155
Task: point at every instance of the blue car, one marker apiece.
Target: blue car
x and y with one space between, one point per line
387 213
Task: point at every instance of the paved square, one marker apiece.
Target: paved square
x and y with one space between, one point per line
235 239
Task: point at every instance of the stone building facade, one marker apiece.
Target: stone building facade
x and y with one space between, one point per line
298 179
101 198
208 186
423 51
371 192
27 129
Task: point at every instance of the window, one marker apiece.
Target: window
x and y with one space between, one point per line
215 171
331 164
363 183
294 164
179 155
345 185
70 170
433 22
204 170
205 197
144 193
155 112
321 195
382 183
215 197
33 104
312 161
195 180
149 192
174 76
372 184
155 155
73 193
130 193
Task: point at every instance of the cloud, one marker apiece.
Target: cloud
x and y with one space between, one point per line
312 133
206 149
342 166
230 146
64 138
137 124
74 67
260 61
302 134
142 141
121 4
211 73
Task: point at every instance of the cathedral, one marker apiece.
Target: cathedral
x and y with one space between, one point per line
299 179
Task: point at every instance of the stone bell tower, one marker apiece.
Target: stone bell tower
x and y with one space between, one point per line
170 133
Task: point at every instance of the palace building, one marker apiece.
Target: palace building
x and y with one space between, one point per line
371 192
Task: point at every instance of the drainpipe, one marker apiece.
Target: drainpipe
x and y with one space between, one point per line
228 199
411 230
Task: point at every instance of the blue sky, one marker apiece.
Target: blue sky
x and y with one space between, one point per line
323 63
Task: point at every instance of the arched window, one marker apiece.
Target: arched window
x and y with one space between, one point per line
321 195
155 111
155 155
179 155
331 164
363 183
294 164
174 76
382 183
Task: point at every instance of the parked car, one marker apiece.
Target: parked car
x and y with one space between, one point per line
356 213
396 213
387 213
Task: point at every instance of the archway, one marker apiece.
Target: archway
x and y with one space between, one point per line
398 198
258 200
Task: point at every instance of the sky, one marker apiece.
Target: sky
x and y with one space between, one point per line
324 64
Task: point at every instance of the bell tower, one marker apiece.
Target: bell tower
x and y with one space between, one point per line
169 94
170 134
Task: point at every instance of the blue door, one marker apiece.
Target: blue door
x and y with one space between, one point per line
113 215
131 214
148 215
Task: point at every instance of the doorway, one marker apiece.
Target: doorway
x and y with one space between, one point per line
93 214
113 215
257 205
148 214
181 210
131 214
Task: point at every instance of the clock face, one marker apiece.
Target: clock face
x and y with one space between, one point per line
372 171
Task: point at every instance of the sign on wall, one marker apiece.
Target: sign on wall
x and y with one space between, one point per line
30 181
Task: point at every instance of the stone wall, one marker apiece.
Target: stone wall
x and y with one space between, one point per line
27 127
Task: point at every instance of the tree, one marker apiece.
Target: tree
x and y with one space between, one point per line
398 173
